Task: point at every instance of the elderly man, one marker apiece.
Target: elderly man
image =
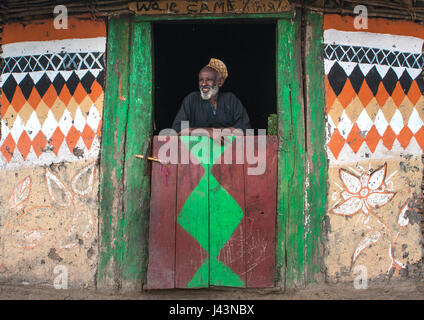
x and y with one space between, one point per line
209 108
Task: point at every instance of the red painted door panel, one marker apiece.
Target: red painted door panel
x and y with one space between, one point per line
214 224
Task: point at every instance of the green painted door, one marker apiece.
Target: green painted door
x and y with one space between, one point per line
125 181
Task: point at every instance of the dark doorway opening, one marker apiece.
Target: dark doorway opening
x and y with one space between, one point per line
182 49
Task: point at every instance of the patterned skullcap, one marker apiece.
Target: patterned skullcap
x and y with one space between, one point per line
219 66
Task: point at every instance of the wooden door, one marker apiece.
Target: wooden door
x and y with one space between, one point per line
125 183
211 223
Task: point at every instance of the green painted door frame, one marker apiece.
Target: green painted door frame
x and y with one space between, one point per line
127 131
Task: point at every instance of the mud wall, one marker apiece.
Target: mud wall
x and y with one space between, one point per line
51 115
375 139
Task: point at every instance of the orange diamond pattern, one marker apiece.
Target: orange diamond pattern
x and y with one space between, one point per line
393 110
355 139
42 116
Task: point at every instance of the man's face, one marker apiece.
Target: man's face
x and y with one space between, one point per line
208 83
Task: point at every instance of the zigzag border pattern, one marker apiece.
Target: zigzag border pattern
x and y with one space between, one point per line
368 55
54 62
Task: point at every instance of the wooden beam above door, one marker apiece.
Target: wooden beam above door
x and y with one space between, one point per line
185 7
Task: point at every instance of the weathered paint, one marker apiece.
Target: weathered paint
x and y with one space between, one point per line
316 189
226 214
282 15
261 217
192 266
233 254
375 138
52 94
295 258
161 260
291 157
51 115
112 246
187 7
202 216
217 243
125 188
49 219
138 140
377 227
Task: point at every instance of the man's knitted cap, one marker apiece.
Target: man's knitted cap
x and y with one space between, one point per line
219 66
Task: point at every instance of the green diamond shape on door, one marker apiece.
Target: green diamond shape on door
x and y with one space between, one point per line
213 227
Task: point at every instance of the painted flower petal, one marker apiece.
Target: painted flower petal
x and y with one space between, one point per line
346 195
352 182
379 198
20 194
371 237
403 220
349 207
377 177
57 189
83 182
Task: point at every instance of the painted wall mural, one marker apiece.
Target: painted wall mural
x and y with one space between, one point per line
52 94
51 115
375 139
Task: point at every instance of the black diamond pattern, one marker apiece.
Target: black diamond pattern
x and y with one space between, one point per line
405 81
101 78
410 60
72 83
339 52
337 78
391 57
359 55
389 81
402 60
87 81
26 86
56 60
44 62
420 83
43 85
373 80
356 78
58 83
22 63
89 59
9 87
100 60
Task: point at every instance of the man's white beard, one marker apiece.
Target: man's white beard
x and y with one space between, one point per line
213 91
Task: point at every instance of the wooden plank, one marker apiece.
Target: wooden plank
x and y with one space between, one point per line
134 224
317 157
227 223
170 17
187 7
192 228
112 152
291 163
261 212
161 267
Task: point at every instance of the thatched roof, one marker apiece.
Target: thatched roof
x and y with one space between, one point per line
26 10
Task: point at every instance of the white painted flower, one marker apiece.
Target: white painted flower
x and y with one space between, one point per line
403 219
363 193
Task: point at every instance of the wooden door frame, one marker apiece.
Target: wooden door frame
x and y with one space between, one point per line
128 116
